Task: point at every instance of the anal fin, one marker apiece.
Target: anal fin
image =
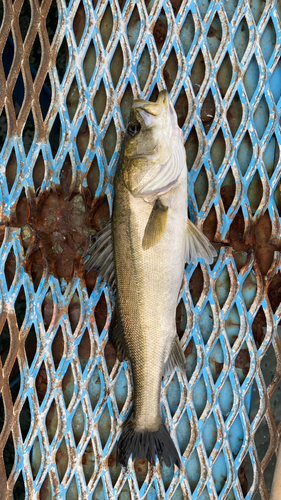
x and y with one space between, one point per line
116 336
176 359
156 225
197 245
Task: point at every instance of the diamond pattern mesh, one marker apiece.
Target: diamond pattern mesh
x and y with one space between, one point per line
68 75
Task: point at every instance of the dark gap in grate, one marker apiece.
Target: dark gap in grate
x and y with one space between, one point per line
116 65
24 18
251 77
89 63
28 133
88 462
55 134
106 25
269 472
45 97
79 23
214 35
100 101
46 488
216 361
19 488
100 313
261 117
73 98
249 289
47 309
262 438
217 151
196 284
143 68
206 322
141 469
201 187
133 28
52 20
74 311
225 74
187 33
37 266
249 475
62 459
14 381
258 327
210 224
245 153
1 11
242 363
191 358
191 148
38 173
210 434
20 307
3 127
10 268
109 141
84 349
198 72
35 54
104 426
193 470
110 356
236 232
2 413
52 421
255 192
25 419
82 139
170 70
126 104
93 177
208 111
9 455
41 382
58 347
31 345
154 94
268 41
268 366
121 390
241 38
274 292
232 325
227 190
235 114
160 30
226 398
271 155
181 318
95 388
173 395
181 107
78 424
62 58
183 432
68 386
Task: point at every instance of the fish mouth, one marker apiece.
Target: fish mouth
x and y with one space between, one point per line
153 108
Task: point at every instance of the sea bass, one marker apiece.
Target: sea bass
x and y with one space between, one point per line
141 253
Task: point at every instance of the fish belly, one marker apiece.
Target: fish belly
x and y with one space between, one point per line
148 284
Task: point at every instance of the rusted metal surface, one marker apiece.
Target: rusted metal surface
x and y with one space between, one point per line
60 421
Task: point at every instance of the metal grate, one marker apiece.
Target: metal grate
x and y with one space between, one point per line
61 126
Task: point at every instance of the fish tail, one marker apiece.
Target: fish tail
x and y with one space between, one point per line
146 444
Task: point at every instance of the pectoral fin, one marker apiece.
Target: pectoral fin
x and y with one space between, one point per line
197 245
116 336
100 256
176 359
156 225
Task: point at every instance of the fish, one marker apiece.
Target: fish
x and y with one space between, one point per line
141 253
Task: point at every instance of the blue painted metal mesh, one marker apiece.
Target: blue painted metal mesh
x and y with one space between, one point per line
65 122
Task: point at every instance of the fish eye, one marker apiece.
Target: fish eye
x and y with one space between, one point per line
133 129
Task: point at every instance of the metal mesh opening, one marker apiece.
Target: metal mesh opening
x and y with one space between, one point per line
68 75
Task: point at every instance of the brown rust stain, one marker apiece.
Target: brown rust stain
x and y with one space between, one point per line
56 229
258 326
243 361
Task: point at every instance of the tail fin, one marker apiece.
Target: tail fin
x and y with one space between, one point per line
146 444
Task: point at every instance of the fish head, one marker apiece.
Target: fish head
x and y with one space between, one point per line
154 153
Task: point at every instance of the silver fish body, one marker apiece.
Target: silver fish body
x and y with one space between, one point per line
150 239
